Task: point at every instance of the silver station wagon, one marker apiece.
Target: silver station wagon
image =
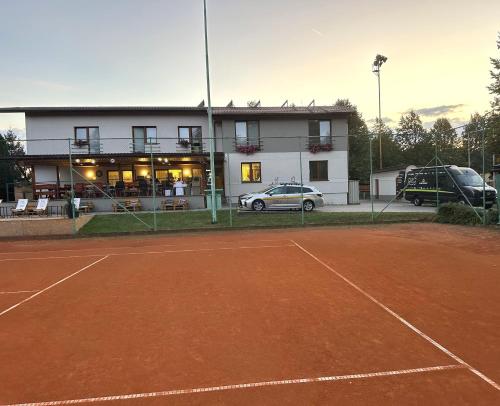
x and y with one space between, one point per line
284 196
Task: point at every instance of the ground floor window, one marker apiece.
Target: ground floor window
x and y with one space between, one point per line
114 176
250 172
318 170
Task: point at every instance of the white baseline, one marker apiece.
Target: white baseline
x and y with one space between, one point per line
402 320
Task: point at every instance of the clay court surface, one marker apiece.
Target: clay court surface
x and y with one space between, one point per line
405 314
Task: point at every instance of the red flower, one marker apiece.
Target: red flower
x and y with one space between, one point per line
247 149
315 148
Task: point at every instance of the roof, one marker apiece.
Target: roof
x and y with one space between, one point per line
390 169
221 111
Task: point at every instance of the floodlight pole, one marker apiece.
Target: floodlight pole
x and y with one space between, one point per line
379 60
210 121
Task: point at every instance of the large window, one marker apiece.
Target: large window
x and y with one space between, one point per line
320 132
318 170
114 176
247 133
142 136
85 135
191 136
250 172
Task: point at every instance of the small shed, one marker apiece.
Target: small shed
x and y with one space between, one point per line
384 182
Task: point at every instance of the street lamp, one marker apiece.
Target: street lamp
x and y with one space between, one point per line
377 63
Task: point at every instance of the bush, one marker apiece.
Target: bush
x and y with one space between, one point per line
454 213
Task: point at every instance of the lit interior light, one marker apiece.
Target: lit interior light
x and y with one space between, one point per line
90 174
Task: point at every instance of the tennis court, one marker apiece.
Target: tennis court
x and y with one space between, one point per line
402 314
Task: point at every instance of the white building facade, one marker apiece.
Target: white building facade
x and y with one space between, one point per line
254 147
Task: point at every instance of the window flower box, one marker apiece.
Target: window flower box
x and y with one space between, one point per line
247 149
315 148
184 143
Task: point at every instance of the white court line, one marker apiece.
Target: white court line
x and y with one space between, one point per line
51 286
18 291
148 252
239 386
402 320
86 249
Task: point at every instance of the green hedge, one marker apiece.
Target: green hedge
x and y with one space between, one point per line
454 213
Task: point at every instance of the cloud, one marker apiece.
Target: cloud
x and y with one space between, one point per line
317 32
439 110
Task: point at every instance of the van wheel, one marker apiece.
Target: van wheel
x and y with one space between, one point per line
417 201
258 205
308 205
461 200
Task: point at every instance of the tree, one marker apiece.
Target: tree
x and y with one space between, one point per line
10 171
413 140
446 138
494 87
493 133
359 154
392 154
472 141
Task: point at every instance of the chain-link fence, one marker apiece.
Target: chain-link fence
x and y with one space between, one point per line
146 184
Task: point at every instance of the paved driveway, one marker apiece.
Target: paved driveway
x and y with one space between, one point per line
365 206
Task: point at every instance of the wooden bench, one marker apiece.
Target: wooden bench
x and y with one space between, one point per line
174 204
130 205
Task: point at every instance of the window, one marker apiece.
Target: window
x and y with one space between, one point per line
281 190
318 170
247 133
250 172
142 136
128 176
320 132
192 136
113 177
85 135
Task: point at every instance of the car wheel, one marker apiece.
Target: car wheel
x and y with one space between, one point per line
258 205
308 205
462 201
417 201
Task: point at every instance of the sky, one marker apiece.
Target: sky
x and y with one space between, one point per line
151 52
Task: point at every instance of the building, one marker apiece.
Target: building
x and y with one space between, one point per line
384 183
111 147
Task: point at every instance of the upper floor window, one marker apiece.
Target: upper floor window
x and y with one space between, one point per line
320 132
247 133
190 136
85 135
142 136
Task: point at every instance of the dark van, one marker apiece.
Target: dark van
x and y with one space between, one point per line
453 183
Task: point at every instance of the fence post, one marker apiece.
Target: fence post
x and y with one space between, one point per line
229 191
437 176
484 177
72 193
371 175
301 183
153 177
